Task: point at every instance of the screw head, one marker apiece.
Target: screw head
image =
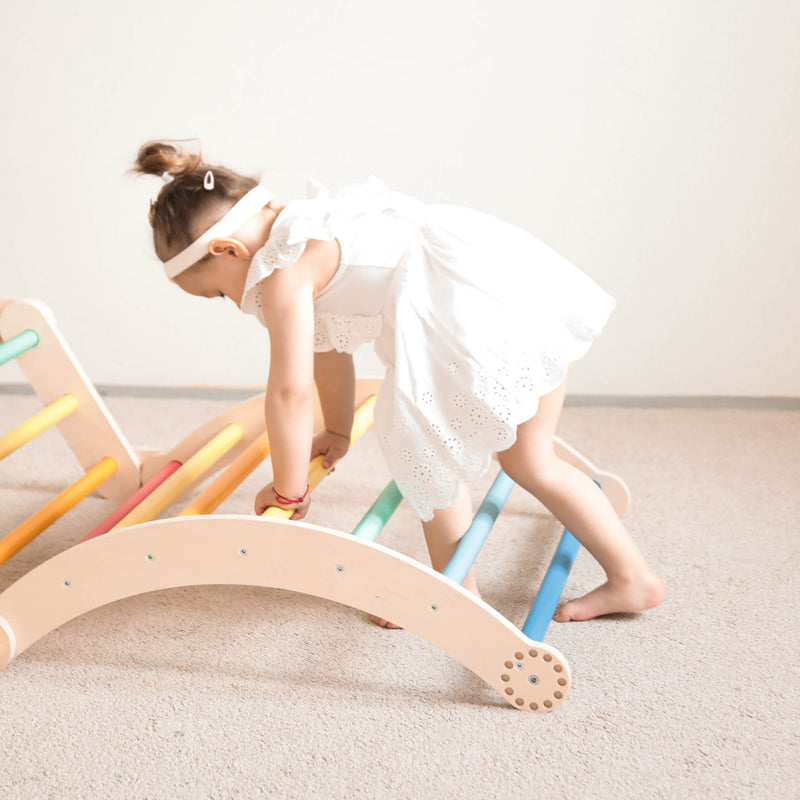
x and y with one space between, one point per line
67 584
340 568
533 680
243 551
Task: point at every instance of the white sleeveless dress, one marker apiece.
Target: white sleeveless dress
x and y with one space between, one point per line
474 318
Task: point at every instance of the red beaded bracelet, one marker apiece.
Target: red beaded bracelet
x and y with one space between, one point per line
288 501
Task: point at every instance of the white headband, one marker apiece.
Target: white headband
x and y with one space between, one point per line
253 201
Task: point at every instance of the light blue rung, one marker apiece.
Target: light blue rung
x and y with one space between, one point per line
552 586
17 345
378 515
471 542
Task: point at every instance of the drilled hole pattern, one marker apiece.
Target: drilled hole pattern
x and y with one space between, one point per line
538 671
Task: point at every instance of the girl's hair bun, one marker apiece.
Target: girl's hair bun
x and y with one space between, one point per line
159 156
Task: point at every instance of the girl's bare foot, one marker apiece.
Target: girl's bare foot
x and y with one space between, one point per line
469 583
614 597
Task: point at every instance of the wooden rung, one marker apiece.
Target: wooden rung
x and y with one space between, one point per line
362 419
553 583
470 544
17 345
137 497
379 513
57 507
229 479
177 484
37 424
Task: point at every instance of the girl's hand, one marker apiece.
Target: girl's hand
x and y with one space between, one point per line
266 499
332 445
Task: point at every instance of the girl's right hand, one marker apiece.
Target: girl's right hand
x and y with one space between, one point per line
332 445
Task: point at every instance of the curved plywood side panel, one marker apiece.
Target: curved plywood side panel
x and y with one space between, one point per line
238 550
53 371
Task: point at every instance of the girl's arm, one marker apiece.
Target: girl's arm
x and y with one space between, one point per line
287 301
334 375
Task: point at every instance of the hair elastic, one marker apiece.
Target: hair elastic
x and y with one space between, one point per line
252 202
208 181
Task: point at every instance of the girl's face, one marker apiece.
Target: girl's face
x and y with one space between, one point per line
219 276
224 272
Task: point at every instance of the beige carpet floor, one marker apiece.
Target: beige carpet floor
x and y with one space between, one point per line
233 692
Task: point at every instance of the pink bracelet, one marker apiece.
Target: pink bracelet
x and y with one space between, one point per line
288 501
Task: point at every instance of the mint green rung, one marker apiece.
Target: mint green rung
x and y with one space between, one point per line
380 511
17 345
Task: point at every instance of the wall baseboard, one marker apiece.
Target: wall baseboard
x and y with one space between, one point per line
238 393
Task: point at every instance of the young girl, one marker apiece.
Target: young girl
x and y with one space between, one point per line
476 321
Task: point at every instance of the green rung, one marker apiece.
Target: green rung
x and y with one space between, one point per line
17 345
380 511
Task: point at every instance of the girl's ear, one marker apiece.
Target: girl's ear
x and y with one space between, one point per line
228 246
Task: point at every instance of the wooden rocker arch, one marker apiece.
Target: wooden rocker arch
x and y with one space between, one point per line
132 552
276 553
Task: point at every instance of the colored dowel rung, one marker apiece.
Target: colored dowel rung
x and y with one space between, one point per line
17 345
229 478
125 508
549 593
57 507
379 513
38 423
362 419
180 481
473 540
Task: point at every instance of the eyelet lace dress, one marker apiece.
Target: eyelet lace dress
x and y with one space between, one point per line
474 318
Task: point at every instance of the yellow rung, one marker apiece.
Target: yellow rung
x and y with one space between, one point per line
180 481
229 479
362 419
38 423
57 507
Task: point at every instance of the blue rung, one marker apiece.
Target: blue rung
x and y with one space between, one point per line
552 586
378 515
471 542
17 345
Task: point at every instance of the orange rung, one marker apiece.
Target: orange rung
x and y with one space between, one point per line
229 479
26 532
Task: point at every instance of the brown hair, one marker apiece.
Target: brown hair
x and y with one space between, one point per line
184 199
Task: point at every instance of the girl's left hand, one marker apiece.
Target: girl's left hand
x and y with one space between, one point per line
266 499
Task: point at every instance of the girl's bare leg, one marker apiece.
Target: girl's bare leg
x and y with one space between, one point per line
574 499
441 535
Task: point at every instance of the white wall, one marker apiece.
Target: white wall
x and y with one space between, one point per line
652 143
